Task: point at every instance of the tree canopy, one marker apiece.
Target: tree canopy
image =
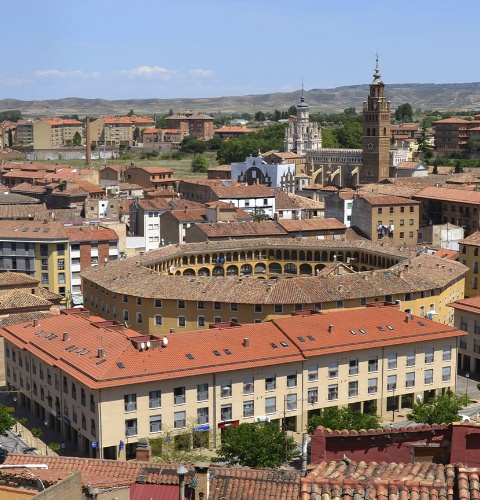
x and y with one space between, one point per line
441 409
260 444
192 144
343 418
6 419
404 113
12 115
238 148
199 164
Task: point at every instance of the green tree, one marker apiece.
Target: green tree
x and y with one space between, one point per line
259 214
292 110
458 167
259 116
187 446
6 419
214 144
12 115
191 144
349 135
137 136
131 113
199 163
350 111
441 409
404 113
54 447
77 139
259 444
343 418
36 433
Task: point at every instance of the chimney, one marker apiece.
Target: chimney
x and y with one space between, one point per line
330 328
65 336
408 318
407 267
35 322
144 451
246 342
101 352
172 330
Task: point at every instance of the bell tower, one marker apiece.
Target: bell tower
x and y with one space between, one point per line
376 133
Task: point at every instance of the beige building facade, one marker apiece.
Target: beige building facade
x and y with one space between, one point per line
104 386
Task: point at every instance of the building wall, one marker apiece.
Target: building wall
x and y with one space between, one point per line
469 345
299 390
52 266
469 256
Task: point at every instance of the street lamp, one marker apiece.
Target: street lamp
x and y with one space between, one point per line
393 406
467 376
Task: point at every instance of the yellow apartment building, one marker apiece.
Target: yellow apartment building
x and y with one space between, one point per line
104 386
50 133
185 287
468 255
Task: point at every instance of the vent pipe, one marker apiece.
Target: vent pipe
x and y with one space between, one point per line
246 342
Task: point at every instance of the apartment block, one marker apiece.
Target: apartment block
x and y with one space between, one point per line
103 383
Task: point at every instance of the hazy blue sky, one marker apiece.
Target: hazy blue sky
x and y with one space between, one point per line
119 49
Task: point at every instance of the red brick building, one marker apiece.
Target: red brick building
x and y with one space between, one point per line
192 123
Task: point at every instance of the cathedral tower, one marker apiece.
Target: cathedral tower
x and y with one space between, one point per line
302 135
376 133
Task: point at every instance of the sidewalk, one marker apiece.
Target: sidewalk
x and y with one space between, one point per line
20 436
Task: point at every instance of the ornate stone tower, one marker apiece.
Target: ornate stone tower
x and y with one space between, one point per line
376 133
301 134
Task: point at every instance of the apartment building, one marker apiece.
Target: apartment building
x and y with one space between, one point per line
253 199
192 123
185 287
150 177
469 248
89 246
457 205
52 133
116 131
451 134
38 249
384 218
102 384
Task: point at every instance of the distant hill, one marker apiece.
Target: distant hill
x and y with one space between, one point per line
428 96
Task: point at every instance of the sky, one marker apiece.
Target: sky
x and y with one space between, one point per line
119 49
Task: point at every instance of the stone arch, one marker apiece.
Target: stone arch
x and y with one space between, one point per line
260 268
189 272
275 268
246 269
290 268
232 270
306 269
204 271
218 271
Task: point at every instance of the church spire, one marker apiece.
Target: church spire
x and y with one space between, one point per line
377 78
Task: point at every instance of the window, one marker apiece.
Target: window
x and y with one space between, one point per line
391 382
201 321
270 382
180 420
60 249
373 365
226 389
402 222
233 307
312 396
392 361
44 264
202 392
379 210
248 409
248 386
429 355
226 412
428 374
157 303
333 392
270 405
44 250
180 304
202 416
278 308
130 401
410 358
463 323
179 395
217 306
158 319
353 367
257 308
410 379
125 299
155 423
313 373
446 373
291 402
182 322
353 389
410 222
139 301
447 353
155 399
139 317
333 369
411 209
125 315
200 304
130 427
402 234
44 278
372 385
291 380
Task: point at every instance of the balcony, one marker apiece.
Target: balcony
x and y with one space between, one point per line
179 400
372 389
332 396
131 431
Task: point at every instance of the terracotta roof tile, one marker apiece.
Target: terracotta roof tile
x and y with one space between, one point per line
90 233
240 229
292 225
32 230
11 279
451 194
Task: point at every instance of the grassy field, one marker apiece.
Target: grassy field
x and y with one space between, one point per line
181 168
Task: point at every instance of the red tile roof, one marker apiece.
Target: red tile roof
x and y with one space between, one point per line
98 472
306 225
381 199
27 230
241 229
90 233
454 194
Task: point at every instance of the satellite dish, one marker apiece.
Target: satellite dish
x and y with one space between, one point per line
165 341
142 345
148 344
